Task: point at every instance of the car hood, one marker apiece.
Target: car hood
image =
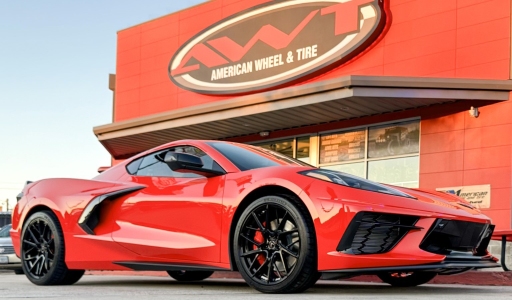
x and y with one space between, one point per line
440 199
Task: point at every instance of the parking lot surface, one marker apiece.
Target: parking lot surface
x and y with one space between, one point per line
148 287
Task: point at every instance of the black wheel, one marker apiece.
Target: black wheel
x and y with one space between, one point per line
406 279
42 251
190 275
275 246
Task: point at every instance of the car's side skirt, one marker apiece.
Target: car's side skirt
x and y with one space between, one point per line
156 266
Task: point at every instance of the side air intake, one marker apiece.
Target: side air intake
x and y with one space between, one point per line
372 233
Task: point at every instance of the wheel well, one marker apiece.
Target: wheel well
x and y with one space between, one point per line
256 194
34 210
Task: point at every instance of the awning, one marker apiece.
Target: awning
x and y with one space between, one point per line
315 103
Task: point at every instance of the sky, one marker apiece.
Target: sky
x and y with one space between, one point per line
55 58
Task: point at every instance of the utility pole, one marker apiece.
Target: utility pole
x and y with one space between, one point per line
7 204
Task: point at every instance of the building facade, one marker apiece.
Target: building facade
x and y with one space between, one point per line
408 92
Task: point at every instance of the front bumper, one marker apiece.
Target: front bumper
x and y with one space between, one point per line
452 264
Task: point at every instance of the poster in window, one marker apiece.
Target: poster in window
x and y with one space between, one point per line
393 140
342 147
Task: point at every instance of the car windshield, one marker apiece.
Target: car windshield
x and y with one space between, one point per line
4 231
246 157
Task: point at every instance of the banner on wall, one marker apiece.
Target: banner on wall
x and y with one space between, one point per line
276 43
478 195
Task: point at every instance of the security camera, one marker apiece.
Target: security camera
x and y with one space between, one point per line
473 111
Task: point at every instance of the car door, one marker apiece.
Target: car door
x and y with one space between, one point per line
177 217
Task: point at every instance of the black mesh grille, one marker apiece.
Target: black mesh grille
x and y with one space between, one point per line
446 236
371 233
6 250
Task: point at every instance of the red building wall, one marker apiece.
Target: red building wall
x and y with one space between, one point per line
435 38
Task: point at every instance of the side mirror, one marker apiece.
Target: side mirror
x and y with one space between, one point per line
177 161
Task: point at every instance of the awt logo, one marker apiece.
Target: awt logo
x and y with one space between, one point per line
276 44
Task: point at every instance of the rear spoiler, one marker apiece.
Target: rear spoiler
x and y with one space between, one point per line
20 195
103 169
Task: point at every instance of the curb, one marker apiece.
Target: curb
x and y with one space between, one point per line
468 278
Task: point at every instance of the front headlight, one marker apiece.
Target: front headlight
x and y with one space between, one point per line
353 181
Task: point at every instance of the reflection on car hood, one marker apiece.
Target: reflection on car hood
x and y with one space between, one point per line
441 199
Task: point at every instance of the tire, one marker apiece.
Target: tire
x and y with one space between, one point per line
42 251
189 275
275 246
19 272
404 279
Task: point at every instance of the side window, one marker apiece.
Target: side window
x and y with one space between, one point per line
153 164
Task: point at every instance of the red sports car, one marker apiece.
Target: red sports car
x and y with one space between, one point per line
194 207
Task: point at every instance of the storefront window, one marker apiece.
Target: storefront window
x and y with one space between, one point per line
284 147
342 147
386 153
354 169
303 149
398 171
393 140
296 147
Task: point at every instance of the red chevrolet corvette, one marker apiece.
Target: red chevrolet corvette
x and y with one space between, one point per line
194 207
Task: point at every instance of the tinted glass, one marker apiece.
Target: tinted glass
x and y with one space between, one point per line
250 157
133 167
153 164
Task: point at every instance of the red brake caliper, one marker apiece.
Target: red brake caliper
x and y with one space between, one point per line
259 238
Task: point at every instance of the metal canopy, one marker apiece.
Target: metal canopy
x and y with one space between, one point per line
320 102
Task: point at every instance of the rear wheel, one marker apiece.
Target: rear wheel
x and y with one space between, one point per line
190 275
275 246
42 251
406 279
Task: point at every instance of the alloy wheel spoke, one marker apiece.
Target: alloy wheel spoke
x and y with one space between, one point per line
250 240
30 243
288 232
289 252
261 267
270 268
284 263
33 236
283 221
277 270
257 251
254 262
267 218
258 222
292 243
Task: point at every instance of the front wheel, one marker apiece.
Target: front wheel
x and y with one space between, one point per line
407 279
190 275
275 246
42 251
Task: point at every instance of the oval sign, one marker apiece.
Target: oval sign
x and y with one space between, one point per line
276 44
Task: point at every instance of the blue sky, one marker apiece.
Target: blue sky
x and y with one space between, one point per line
55 57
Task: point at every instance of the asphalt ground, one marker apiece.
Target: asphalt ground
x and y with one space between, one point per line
152 287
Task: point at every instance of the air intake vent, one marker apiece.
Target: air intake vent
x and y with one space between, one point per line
372 233
446 236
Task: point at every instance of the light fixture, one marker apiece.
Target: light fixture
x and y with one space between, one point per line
473 111
264 133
